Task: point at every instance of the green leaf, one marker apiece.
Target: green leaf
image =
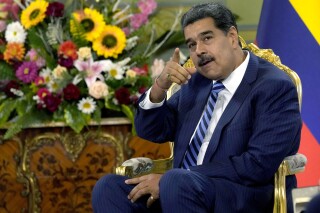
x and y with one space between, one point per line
7 72
127 111
23 106
130 114
15 129
29 118
78 35
65 79
36 41
75 119
97 114
111 106
6 108
114 83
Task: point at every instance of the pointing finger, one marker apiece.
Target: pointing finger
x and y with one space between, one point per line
176 56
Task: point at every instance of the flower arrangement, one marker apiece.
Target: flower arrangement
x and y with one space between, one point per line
70 61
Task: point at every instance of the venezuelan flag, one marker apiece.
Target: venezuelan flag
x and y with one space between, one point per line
292 29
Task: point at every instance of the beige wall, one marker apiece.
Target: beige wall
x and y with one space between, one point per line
248 10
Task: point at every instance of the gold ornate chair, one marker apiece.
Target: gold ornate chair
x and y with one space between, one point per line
290 165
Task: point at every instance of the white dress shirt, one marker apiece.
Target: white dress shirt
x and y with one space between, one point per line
231 84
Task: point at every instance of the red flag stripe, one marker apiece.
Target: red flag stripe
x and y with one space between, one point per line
311 149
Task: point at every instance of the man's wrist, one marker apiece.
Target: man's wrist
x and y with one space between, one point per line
159 86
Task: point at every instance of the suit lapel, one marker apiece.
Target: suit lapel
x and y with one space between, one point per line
233 106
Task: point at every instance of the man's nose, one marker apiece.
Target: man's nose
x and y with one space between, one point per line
200 49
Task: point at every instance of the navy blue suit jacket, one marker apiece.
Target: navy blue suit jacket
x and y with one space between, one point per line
260 127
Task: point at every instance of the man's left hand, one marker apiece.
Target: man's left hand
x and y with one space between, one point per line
147 184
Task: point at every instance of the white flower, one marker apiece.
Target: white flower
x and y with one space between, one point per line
53 86
17 92
115 71
15 33
115 101
131 42
124 62
46 75
38 100
87 105
98 90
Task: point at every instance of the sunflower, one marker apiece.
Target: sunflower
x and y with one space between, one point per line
90 21
111 42
34 13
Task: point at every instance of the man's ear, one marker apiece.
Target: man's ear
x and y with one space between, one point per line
233 34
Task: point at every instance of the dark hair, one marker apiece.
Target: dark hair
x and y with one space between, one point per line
222 16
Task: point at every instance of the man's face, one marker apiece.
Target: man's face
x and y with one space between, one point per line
212 51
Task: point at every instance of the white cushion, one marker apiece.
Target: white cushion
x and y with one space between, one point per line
296 162
139 165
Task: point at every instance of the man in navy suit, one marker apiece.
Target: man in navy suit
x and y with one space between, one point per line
314 205
255 124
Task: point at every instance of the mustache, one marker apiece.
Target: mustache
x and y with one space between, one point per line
203 59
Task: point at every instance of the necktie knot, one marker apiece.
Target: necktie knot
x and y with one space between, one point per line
217 87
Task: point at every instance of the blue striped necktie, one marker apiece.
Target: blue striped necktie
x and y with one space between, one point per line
190 158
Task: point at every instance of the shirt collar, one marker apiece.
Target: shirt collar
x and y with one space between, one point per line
233 81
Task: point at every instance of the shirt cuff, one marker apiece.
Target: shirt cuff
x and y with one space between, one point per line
147 104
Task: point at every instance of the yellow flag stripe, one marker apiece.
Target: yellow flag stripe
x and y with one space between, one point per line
308 11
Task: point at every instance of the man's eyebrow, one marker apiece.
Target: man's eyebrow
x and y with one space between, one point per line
188 40
206 32
201 34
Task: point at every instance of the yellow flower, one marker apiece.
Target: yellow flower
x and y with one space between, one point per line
90 20
34 13
111 42
84 53
58 72
131 73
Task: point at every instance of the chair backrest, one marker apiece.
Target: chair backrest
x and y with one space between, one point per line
269 55
280 200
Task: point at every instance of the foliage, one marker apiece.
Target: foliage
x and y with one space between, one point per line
70 61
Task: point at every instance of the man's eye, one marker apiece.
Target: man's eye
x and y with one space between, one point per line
190 46
207 38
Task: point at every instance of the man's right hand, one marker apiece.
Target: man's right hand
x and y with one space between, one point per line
173 72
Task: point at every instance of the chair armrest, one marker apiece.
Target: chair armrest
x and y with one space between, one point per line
290 165
135 166
295 163
142 166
